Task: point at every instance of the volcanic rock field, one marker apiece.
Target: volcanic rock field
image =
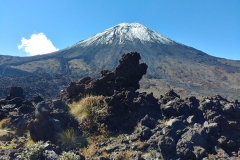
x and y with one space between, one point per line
107 118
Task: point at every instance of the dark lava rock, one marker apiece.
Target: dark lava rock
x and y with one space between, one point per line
193 143
140 126
42 110
3 114
44 129
15 92
52 117
167 145
37 99
127 108
148 122
126 77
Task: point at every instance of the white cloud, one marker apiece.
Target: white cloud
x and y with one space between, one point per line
37 44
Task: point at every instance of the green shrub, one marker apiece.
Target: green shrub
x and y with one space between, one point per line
69 139
33 152
69 156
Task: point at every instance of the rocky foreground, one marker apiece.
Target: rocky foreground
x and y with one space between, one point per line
106 118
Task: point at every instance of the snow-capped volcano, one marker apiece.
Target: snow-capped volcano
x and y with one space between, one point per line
124 32
170 64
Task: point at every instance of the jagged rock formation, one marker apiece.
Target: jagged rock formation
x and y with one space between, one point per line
120 88
140 126
126 77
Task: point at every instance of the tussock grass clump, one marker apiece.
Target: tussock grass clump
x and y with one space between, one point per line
69 139
86 108
88 111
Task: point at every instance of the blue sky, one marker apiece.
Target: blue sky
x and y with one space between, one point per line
210 26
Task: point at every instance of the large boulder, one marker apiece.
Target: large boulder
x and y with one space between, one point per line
127 108
50 117
193 143
15 92
44 129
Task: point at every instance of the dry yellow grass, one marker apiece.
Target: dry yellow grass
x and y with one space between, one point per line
29 142
9 145
96 139
89 151
105 154
88 107
88 111
137 126
141 144
4 123
6 133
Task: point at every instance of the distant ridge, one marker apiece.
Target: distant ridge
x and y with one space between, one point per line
171 65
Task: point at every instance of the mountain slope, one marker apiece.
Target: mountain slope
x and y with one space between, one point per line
170 64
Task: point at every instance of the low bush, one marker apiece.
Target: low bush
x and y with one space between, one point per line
69 156
33 152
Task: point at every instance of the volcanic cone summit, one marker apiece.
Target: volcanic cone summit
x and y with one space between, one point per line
124 32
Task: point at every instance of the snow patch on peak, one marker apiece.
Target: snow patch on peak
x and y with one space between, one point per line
130 25
123 32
